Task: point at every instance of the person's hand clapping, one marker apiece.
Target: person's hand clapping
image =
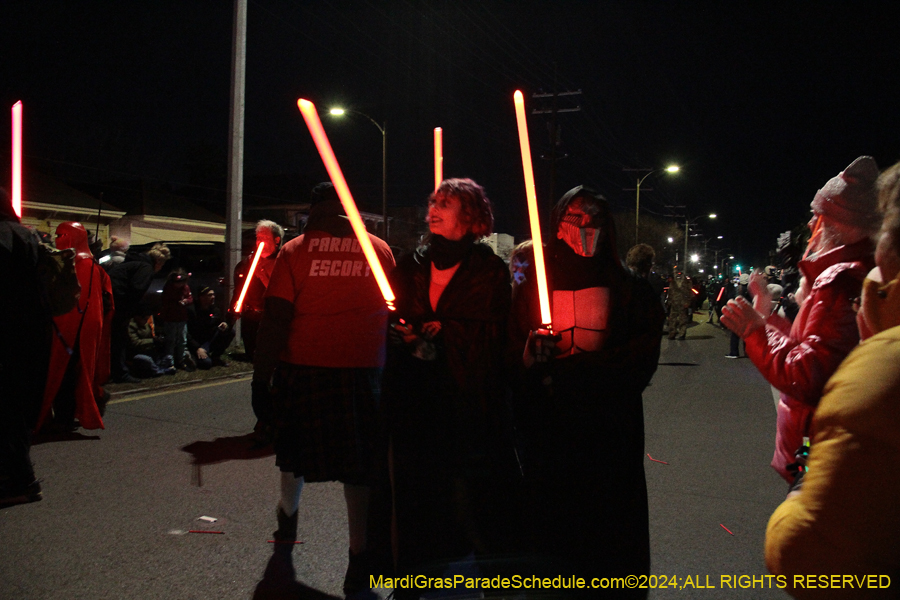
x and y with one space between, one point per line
741 318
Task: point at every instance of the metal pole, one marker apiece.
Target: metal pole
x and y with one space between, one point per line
686 223
236 150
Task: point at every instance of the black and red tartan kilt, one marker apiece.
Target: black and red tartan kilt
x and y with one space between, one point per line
325 422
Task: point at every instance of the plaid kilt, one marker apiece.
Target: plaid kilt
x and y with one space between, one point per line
326 422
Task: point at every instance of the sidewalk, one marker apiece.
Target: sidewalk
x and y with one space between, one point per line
238 366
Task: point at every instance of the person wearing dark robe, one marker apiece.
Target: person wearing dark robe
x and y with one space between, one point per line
453 462
579 402
79 360
27 328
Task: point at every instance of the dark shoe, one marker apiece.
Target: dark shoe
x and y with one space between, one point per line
356 580
263 435
102 401
127 378
219 362
287 527
189 365
169 371
11 493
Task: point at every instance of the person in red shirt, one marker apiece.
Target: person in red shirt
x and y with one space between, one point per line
321 349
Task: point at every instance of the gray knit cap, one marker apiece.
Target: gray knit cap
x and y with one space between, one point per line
850 198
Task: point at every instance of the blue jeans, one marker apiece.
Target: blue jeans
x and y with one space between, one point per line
176 341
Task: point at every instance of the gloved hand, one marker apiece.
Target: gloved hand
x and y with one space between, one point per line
741 318
540 347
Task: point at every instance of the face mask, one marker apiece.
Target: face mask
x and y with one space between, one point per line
583 240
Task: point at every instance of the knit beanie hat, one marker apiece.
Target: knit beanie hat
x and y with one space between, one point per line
851 198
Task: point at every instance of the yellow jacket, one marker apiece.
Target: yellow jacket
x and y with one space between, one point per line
846 518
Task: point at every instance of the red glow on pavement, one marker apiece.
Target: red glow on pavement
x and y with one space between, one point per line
17 158
533 216
654 460
240 302
438 157
308 110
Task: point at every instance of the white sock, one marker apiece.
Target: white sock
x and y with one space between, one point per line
290 493
357 497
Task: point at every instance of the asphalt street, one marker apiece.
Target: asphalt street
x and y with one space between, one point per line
119 503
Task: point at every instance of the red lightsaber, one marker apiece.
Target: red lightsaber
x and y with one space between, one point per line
533 217
438 157
240 302
17 158
340 185
721 289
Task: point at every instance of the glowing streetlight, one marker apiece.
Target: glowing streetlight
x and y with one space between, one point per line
637 200
338 112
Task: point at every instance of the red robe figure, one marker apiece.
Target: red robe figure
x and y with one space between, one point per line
79 359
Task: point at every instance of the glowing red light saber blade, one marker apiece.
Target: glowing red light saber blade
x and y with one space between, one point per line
256 257
722 289
17 158
438 156
308 110
533 217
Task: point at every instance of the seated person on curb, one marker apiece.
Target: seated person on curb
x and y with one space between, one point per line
145 348
208 334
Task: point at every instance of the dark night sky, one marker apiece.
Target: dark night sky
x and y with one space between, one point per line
759 106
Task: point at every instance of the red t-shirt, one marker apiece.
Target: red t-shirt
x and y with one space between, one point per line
340 317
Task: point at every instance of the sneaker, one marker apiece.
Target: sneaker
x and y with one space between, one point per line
731 356
287 527
11 494
169 371
189 364
218 361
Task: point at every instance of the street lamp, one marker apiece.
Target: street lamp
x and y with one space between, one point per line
637 200
337 112
687 224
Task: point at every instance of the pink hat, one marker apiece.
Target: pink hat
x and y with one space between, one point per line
850 197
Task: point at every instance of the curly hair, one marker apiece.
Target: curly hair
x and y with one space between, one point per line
474 207
889 203
640 258
160 253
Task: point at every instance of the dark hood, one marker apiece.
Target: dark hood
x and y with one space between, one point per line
574 271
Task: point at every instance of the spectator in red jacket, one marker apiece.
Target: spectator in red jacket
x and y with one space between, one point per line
799 358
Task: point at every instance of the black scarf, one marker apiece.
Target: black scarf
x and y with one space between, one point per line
445 253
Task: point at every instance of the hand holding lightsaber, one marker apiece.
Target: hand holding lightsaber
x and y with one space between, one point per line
256 257
308 110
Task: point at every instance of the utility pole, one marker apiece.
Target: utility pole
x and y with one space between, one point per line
236 150
553 110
